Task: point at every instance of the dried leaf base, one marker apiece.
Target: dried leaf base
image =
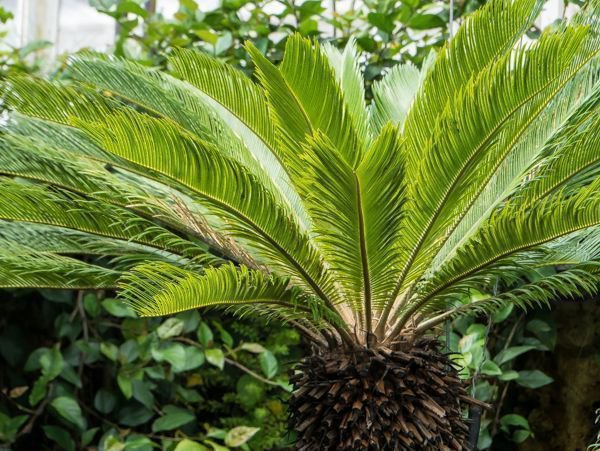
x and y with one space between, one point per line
379 401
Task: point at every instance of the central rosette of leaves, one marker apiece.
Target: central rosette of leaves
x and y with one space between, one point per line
379 400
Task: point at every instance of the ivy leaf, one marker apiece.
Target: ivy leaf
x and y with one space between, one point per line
118 308
205 335
490 368
60 436
254 348
268 364
215 357
188 445
512 419
173 353
134 414
173 418
172 327
104 401
125 384
142 393
68 409
193 359
10 426
533 379
109 350
508 376
509 354
240 435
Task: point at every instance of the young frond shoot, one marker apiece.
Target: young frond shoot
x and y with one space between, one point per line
365 225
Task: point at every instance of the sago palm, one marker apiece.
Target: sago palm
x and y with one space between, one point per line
461 187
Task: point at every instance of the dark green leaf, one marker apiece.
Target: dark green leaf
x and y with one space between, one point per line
105 401
510 353
268 364
118 308
426 21
60 436
533 379
134 414
68 409
205 335
173 418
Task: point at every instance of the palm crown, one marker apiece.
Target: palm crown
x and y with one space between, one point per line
453 190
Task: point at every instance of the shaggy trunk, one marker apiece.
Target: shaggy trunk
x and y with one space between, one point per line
379 400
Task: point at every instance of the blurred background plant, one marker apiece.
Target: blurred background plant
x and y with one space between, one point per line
81 372
13 59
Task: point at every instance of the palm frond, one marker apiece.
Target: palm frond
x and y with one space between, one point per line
574 283
519 227
38 204
224 187
295 91
478 130
201 108
393 95
22 267
156 289
349 77
60 241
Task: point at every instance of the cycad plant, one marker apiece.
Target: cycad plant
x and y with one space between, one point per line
463 186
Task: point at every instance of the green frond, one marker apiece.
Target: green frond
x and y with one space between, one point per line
381 178
224 187
156 289
393 95
574 158
60 155
296 90
478 130
356 215
352 84
194 108
523 159
52 101
485 35
56 240
38 204
517 228
574 283
21 267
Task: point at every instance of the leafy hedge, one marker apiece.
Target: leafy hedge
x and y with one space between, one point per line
85 370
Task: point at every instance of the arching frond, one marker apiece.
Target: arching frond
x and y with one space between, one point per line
156 289
477 131
295 90
224 187
393 95
485 35
21 267
519 227
522 160
569 284
57 240
203 112
37 204
352 84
